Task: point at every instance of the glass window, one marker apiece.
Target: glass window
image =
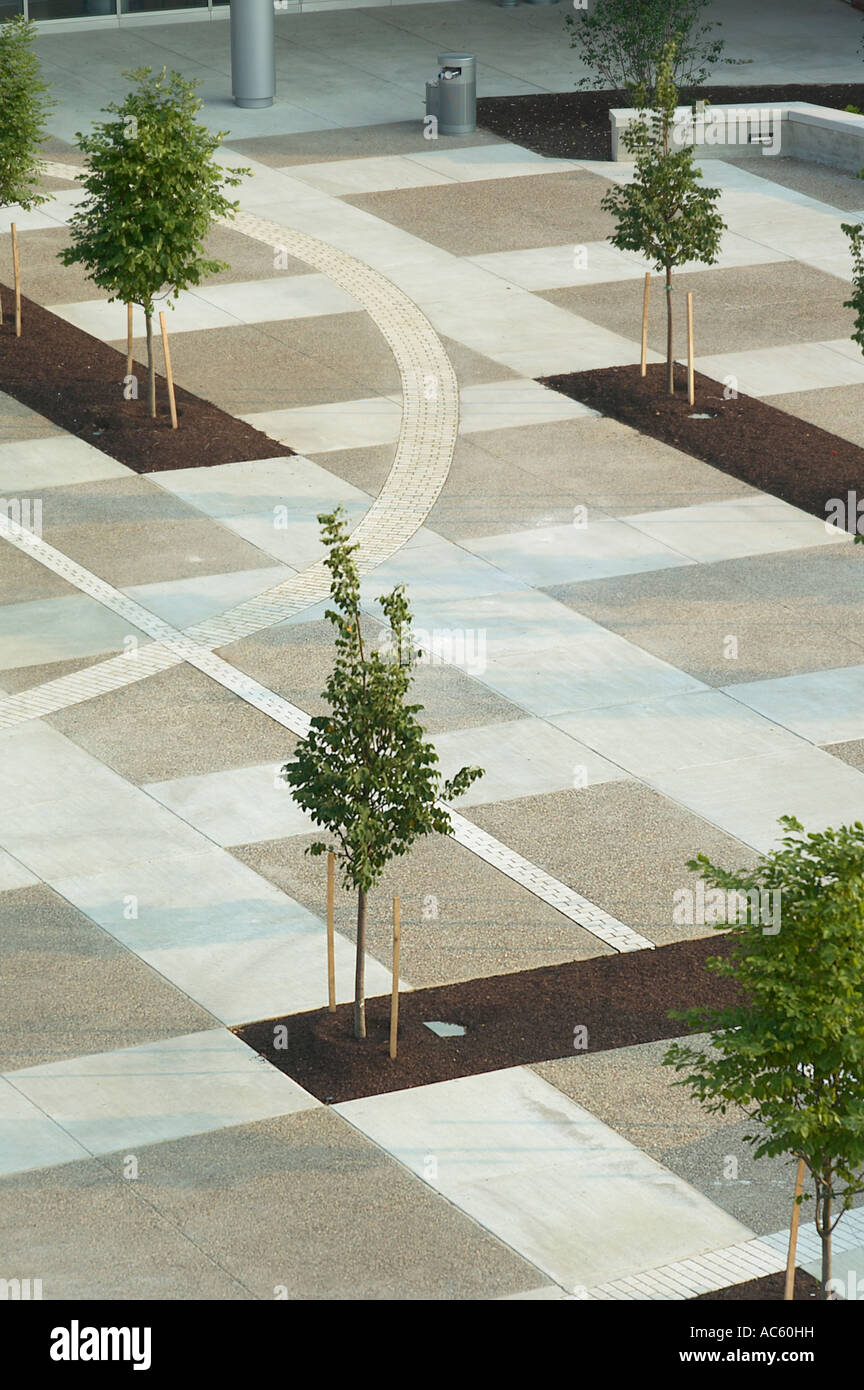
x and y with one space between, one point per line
9 8
70 9
153 6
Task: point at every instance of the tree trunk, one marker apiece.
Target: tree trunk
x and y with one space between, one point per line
360 969
826 1242
670 361
151 371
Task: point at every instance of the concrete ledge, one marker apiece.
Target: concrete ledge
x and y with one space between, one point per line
796 129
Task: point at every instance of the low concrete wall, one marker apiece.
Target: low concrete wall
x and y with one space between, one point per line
796 129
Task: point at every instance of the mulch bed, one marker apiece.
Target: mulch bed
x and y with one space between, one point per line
768 1289
76 381
746 438
510 1020
575 125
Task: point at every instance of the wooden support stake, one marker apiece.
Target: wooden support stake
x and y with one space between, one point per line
789 1292
645 298
168 376
128 340
331 961
394 998
691 387
17 269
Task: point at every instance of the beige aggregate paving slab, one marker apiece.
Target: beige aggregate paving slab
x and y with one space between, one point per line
130 531
733 309
461 918
470 219
70 989
624 846
185 724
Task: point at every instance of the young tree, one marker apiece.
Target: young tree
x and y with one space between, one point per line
666 214
153 188
792 1053
25 109
622 43
364 771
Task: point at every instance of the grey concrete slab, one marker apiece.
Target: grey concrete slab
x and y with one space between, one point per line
317 146
71 989
28 464
630 1090
601 463
733 309
819 181
837 409
166 1089
545 1175
54 629
24 580
93 1237
18 422
621 844
739 620
184 724
461 918
473 218
112 528
295 660
18 678
247 368
302 1206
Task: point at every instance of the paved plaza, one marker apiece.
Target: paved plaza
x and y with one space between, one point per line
649 659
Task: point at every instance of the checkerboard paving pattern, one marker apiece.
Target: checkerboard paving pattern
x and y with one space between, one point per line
180 866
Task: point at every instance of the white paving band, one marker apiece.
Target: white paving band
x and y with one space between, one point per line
172 646
733 1264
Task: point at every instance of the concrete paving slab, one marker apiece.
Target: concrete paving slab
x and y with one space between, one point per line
772 371
522 758
822 706
95 1239
221 933
623 844
439 570
556 1184
24 580
570 553
28 1137
184 724
259 486
289 297
729 529
367 175
694 730
342 425
235 807
70 989
631 1091
184 602
107 321
160 1090
746 796
58 460
514 402
14 875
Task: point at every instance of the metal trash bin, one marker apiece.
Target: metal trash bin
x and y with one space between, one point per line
253 53
453 98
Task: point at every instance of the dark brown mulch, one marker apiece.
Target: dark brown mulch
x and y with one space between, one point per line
76 381
746 438
575 125
510 1020
768 1289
